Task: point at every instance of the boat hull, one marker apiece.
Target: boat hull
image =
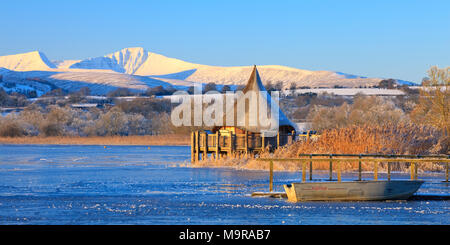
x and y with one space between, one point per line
352 190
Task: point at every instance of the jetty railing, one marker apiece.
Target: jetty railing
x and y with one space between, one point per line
332 159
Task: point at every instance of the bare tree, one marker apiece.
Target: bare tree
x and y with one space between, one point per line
114 122
434 103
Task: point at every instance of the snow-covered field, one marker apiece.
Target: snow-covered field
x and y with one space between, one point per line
350 91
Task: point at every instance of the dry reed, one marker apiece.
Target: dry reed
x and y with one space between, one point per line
407 139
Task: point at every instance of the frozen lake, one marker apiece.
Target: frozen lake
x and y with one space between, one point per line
57 184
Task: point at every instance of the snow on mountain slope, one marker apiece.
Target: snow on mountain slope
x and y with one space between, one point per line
274 74
136 61
26 62
126 60
100 83
136 68
104 63
130 59
157 64
106 79
161 66
64 64
179 75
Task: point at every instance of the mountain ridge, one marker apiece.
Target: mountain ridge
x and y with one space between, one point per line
136 65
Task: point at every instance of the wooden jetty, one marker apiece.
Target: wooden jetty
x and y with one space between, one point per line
354 190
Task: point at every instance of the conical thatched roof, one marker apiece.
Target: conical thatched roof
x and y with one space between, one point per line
256 96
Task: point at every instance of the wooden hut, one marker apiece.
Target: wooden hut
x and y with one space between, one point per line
244 131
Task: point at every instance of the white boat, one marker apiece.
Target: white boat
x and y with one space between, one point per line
352 190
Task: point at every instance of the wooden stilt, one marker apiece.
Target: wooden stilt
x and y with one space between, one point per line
205 146
389 171
375 170
230 141
415 171
262 142
303 171
278 139
192 147
359 168
246 143
271 176
331 167
412 167
293 136
339 171
217 145
446 172
197 146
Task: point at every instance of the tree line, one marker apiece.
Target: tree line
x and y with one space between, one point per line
142 116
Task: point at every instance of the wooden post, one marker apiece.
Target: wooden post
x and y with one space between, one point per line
197 146
217 145
339 171
192 147
231 143
293 136
200 144
278 139
310 168
446 172
331 167
359 168
415 171
389 171
375 170
271 177
205 146
262 142
246 144
303 172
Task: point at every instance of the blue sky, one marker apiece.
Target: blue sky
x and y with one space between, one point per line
398 39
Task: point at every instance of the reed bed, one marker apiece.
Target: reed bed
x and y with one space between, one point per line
401 139
172 139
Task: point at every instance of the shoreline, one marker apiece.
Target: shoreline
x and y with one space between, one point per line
172 139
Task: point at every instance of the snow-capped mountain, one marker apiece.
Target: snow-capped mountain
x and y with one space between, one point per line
129 59
137 68
138 61
125 61
26 62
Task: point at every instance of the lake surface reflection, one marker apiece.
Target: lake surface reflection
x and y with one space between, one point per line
61 184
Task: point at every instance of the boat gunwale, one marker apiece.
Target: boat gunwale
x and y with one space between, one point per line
291 190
